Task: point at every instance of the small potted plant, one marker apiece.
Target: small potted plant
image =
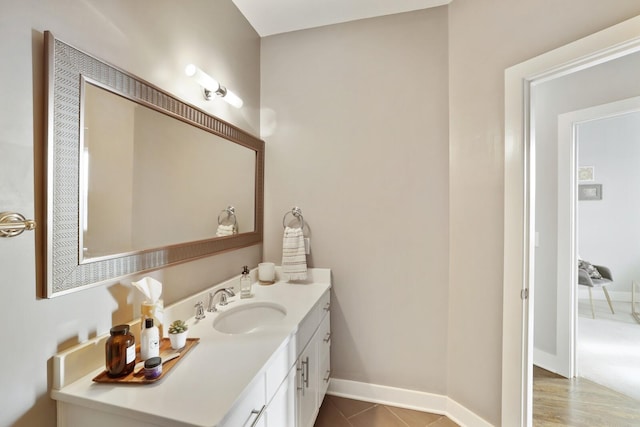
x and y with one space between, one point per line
178 334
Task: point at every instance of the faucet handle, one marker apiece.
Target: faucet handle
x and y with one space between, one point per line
223 298
199 310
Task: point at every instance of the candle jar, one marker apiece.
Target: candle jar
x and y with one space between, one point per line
152 368
266 273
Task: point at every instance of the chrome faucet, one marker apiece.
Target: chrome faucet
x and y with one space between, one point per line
224 293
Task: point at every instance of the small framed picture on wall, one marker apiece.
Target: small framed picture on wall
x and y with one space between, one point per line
590 192
586 173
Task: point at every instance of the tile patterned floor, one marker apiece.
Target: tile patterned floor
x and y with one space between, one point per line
341 412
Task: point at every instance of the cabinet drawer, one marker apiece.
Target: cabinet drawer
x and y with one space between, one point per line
279 368
324 337
305 330
324 304
250 408
311 322
281 411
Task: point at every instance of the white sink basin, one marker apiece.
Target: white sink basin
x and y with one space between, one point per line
249 317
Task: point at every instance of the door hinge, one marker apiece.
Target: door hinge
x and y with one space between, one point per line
524 294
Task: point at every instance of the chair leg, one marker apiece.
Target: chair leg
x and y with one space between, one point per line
593 311
606 294
635 314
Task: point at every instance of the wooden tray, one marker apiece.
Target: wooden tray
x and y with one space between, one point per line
133 378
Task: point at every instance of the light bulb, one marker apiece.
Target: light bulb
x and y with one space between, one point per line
212 86
205 80
233 99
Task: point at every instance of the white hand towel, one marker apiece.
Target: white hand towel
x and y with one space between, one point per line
225 230
294 259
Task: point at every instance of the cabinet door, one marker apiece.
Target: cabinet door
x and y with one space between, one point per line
324 374
281 411
307 384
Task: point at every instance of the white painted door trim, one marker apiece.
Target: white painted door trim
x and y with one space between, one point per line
611 43
566 264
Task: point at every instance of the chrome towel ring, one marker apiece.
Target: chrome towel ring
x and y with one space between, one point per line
230 212
297 213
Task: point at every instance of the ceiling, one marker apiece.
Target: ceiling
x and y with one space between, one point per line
269 17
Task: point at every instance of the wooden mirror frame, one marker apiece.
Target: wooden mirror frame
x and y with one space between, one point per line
63 271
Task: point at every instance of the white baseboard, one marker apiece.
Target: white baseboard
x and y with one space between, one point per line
546 361
403 398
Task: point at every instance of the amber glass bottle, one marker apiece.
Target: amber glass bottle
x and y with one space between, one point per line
120 351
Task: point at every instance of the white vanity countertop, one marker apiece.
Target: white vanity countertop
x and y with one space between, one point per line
203 387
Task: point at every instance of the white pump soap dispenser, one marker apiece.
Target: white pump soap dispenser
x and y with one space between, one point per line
149 340
245 283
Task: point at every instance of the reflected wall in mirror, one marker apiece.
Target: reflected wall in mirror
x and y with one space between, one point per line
148 173
136 179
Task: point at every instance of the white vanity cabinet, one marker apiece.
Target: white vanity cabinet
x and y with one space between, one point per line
291 391
275 376
313 364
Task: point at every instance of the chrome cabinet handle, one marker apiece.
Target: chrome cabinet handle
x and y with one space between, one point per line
259 415
326 379
306 369
327 307
327 337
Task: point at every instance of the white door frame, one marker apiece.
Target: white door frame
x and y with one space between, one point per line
611 43
566 240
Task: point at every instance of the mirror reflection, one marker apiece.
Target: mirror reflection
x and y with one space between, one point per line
149 180
136 178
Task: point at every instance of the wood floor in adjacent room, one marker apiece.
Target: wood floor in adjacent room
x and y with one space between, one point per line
340 412
558 401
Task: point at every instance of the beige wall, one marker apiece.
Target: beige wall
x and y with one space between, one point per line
487 36
360 144
154 40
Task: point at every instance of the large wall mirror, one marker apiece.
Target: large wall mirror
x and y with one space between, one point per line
137 179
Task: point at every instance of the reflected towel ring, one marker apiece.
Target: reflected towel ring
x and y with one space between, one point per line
297 213
230 211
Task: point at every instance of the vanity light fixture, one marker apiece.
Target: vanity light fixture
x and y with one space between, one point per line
211 86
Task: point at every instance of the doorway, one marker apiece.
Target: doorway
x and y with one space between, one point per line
557 212
608 231
521 138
